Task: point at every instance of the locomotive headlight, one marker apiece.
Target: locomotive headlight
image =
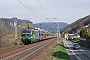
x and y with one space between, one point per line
22 38
31 37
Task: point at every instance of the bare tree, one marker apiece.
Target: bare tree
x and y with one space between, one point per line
3 31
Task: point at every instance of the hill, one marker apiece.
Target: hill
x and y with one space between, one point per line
7 30
76 26
10 22
50 26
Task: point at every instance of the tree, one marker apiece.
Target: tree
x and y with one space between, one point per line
63 33
3 31
84 33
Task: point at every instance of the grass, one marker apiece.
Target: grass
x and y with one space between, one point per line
60 53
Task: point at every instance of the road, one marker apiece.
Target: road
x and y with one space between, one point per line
76 54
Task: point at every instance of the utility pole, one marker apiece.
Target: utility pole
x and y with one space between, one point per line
58 31
28 23
15 31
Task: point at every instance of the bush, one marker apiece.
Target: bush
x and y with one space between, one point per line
76 40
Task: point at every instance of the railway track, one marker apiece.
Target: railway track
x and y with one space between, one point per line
29 52
11 48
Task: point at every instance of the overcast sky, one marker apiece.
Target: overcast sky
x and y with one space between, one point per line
64 10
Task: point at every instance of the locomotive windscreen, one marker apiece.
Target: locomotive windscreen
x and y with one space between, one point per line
26 34
26 31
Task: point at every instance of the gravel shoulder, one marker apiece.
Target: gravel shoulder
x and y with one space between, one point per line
46 53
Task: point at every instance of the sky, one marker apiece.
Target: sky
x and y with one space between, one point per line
37 11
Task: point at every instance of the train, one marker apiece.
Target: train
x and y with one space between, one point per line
35 35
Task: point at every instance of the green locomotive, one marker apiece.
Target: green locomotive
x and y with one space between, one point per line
30 36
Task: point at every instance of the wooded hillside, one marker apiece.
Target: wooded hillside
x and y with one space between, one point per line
77 25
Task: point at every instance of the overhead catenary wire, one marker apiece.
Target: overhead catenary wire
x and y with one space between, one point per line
28 9
44 13
7 13
35 11
28 5
31 8
41 7
3 9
